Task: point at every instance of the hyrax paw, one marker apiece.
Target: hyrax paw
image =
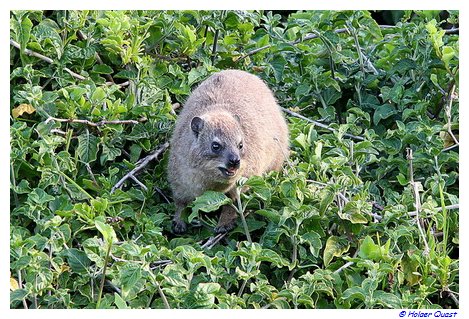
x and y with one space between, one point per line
178 226
225 227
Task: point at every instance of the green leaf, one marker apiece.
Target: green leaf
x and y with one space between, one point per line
120 303
78 260
278 65
383 112
271 215
402 179
448 54
208 202
109 153
327 197
313 239
369 250
335 247
356 211
18 295
302 90
87 147
259 187
272 257
39 196
98 95
387 299
130 274
102 69
107 231
25 33
353 292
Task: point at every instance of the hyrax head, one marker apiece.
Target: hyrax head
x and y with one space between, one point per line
218 144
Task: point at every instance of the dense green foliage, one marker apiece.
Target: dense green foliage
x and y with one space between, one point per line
334 229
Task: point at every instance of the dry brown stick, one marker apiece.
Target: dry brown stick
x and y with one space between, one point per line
95 124
20 285
448 114
138 182
123 84
46 59
174 107
414 185
139 165
212 241
438 209
160 263
348 264
454 298
320 124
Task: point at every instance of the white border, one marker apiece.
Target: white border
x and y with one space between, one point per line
215 5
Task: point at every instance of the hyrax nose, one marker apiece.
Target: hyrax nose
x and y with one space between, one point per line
233 161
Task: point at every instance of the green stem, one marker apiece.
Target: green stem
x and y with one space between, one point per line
104 275
13 181
241 290
75 184
240 211
68 139
120 201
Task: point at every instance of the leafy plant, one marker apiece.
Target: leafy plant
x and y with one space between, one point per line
363 215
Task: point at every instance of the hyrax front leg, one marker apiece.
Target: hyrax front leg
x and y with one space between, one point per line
178 226
228 215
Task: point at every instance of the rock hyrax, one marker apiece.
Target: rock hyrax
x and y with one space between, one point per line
230 126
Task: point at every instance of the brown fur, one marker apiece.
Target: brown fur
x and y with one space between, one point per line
231 107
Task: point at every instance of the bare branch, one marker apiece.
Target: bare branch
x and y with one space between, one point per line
96 124
320 124
454 298
138 182
438 209
448 114
140 164
212 241
20 285
160 263
415 188
123 84
44 58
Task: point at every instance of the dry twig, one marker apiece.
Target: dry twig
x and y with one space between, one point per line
95 124
320 124
139 165
448 115
212 241
46 59
415 188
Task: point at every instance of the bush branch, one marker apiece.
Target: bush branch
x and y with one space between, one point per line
212 241
140 164
95 124
448 115
321 124
44 58
414 185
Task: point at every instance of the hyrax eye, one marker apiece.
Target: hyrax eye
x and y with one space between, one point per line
216 147
240 145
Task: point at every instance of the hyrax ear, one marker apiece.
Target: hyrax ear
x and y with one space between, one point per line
237 118
197 124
